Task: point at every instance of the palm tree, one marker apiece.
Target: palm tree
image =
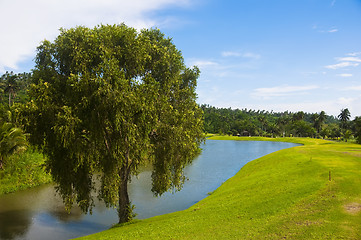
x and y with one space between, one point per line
322 117
9 82
344 117
11 87
12 140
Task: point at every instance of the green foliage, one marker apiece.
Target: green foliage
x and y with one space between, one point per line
107 100
272 124
302 129
13 88
284 195
263 123
23 171
12 140
344 116
357 123
318 120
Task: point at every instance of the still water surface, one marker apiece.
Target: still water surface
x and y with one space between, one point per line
39 214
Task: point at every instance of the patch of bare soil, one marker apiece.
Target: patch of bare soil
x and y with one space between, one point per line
353 208
309 223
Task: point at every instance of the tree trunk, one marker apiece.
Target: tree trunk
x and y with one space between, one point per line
124 208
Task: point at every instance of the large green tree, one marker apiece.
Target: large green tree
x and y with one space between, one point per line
107 100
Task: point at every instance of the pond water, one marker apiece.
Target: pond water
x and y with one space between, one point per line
38 213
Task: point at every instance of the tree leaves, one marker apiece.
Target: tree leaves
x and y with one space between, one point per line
106 100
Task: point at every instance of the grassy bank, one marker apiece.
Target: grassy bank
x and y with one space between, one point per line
23 171
307 192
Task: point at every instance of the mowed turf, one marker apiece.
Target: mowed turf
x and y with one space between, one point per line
306 192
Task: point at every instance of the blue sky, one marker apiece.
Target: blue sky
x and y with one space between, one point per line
275 55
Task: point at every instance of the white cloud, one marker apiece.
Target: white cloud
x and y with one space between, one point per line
349 59
26 23
280 91
333 30
346 101
325 29
345 75
238 54
342 65
203 63
251 55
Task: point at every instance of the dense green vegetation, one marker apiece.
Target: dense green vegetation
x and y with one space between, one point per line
12 140
272 124
18 169
306 192
24 170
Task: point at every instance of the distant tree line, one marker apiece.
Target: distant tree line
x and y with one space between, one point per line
247 122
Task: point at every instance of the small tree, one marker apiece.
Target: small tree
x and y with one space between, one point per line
107 100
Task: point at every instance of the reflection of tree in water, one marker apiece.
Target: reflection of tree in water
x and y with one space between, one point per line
57 209
14 223
59 212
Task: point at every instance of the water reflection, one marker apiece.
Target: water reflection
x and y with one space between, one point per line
14 223
23 210
39 213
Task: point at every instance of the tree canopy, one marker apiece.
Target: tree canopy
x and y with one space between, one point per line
106 100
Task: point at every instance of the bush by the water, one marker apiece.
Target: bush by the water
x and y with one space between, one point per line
23 171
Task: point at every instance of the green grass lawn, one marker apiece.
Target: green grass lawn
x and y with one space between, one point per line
284 195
